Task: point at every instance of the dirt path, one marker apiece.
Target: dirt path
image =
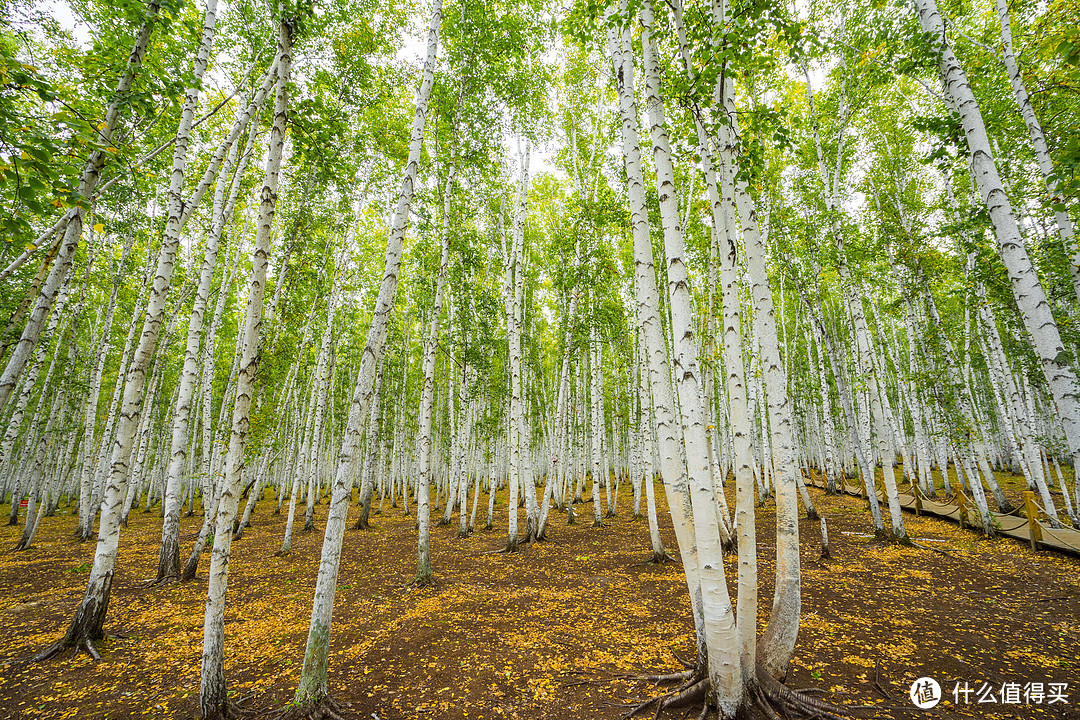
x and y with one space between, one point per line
544 633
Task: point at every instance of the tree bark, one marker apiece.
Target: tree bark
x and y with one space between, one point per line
213 700
313 685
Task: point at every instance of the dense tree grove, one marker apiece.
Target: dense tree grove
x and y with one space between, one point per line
407 256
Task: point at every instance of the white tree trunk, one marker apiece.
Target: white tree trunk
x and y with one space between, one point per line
719 618
1038 143
169 558
1027 289
668 432
312 687
424 436
213 700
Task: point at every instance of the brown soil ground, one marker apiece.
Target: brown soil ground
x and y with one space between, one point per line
547 632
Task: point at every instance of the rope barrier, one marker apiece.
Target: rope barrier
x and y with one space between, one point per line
954 512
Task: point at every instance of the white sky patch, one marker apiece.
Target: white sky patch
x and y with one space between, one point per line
61 12
413 51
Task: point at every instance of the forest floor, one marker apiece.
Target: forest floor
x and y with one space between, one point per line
545 633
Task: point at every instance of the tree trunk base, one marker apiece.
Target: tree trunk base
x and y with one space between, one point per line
422 580
766 698
515 545
61 645
323 709
190 569
228 711
85 628
169 561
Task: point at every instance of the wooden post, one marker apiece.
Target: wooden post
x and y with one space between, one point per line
963 507
918 499
1033 519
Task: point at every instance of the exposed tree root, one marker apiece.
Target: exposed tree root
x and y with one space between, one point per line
656 558
770 694
423 581
693 690
514 546
679 677
61 645
688 664
229 711
324 709
765 699
161 581
937 550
